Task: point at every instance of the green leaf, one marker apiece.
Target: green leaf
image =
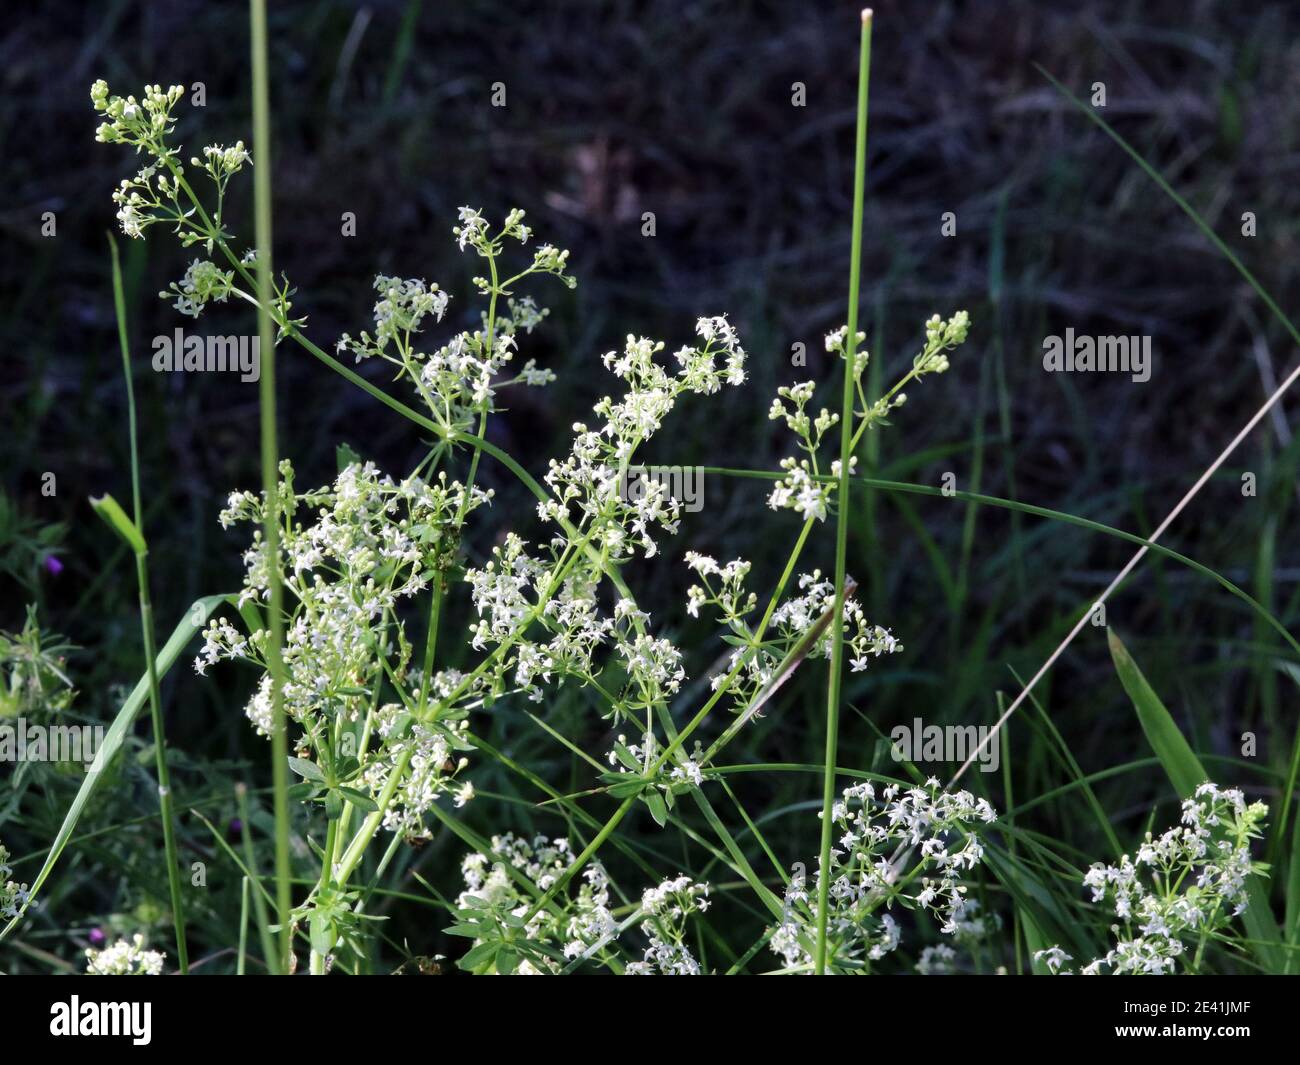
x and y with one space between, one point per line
115 517
333 805
307 770
1038 906
626 757
360 800
476 956
345 456
194 619
1175 754
658 808
1292 918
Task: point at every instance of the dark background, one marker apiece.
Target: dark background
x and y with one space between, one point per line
684 109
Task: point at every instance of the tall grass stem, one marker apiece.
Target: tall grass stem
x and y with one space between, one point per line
270 468
842 499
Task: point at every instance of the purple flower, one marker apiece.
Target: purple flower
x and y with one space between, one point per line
97 936
53 566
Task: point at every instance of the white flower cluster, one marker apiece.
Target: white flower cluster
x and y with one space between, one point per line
145 199
202 284
473 232
937 960
422 757
222 163
494 903
805 489
399 312
13 895
501 889
157 191
514 590
730 597
373 543
799 490
555 591
142 124
940 338
938 832
789 623
973 928
125 958
586 484
667 908
1187 884
863 641
458 381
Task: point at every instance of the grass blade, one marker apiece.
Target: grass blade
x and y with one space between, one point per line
194 620
1166 739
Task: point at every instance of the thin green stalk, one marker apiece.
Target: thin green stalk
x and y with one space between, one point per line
241 959
316 963
250 860
270 469
146 624
842 515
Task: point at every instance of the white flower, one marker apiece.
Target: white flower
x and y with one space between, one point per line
1197 875
863 874
1053 957
125 958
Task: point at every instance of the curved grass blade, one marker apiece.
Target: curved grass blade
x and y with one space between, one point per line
193 620
1166 739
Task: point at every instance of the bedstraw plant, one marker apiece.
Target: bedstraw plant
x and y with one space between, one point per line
372 692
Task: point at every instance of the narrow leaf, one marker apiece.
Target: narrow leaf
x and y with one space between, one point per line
115 518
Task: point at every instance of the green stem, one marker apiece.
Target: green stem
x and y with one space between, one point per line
316 964
241 959
842 515
146 624
270 470
250 860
